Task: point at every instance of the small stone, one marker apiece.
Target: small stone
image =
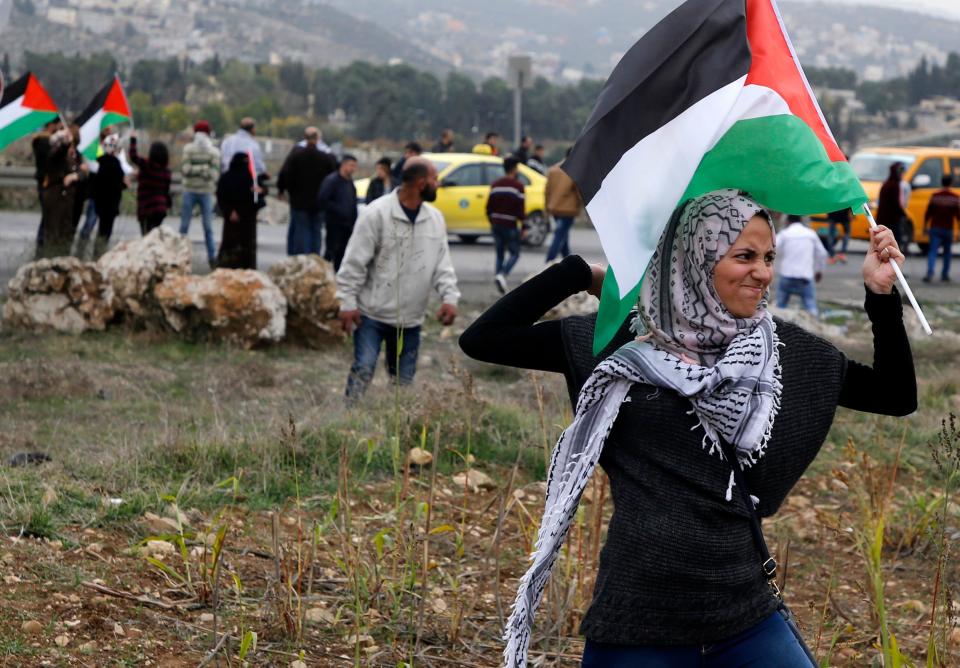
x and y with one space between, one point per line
161 525
362 639
32 627
11 579
206 618
118 630
954 637
419 457
319 615
438 605
157 549
474 480
49 496
62 640
89 646
298 664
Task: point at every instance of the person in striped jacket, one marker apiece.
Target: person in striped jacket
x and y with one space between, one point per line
153 184
506 208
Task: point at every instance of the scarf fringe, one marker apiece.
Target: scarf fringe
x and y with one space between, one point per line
572 464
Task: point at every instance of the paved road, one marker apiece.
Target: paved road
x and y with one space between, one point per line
474 263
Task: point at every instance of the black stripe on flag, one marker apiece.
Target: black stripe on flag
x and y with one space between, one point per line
14 90
96 104
697 49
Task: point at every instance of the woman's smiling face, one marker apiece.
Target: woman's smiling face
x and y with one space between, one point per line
742 276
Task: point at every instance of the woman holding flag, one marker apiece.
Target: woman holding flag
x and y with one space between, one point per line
702 408
716 407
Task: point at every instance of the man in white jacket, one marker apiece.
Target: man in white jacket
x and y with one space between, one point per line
398 251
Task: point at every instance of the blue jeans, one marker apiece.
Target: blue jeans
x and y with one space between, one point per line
939 237
561 238
769 643
506 238
205 200
368 338
305 234
797 286
832 238
90 221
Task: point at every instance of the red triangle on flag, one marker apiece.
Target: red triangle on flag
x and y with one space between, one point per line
35 97
774 65
116 102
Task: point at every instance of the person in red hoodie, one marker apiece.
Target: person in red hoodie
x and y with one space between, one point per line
943 213
506 208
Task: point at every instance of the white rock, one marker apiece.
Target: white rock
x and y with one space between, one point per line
474 479
239 306
310 284
61 294
133 268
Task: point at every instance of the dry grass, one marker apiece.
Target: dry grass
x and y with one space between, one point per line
298 523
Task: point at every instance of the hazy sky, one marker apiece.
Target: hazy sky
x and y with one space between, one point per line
949 8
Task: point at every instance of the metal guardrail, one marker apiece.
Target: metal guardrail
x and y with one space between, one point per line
22 177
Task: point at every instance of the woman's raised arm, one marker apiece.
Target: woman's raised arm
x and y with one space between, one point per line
890 386
508 332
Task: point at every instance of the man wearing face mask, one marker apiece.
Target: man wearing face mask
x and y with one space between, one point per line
398 252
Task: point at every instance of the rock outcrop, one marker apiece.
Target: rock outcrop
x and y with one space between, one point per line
135 267
239 306
309 284
62 294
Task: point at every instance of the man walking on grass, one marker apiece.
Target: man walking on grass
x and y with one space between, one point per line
398 252
506 208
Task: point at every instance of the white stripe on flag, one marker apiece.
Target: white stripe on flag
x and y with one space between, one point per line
637 196
90 131
13 112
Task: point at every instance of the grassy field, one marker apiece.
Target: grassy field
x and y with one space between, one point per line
203 503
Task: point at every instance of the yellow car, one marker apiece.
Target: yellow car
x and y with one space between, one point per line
465 180
924 167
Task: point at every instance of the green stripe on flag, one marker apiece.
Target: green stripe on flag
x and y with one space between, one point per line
23 126
613 310
795 177
109 118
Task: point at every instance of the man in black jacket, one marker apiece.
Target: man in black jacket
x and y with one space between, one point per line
338 200
301 176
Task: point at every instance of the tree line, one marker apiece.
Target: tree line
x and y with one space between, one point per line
393 102
924 81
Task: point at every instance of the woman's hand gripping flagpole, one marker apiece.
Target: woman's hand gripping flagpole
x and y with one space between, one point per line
900 279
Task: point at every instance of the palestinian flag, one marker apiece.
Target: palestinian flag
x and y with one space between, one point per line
107 108
24 108
711 97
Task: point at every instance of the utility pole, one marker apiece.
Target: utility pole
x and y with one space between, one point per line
519 76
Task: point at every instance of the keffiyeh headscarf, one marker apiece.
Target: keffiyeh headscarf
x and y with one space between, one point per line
728 367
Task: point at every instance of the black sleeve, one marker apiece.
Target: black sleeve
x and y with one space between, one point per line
508 332
890 386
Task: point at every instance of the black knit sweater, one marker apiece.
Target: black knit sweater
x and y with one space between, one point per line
679 565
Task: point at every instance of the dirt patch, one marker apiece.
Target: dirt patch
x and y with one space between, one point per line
39 379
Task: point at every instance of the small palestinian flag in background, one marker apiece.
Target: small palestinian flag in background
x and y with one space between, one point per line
24 108
107 108
711 97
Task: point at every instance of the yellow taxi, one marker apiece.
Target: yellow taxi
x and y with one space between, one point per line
465 180
924 167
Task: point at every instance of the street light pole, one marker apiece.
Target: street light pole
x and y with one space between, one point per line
517 109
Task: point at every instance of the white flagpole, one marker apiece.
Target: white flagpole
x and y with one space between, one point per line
901 279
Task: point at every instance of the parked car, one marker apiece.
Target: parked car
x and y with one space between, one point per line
925 166
465 180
